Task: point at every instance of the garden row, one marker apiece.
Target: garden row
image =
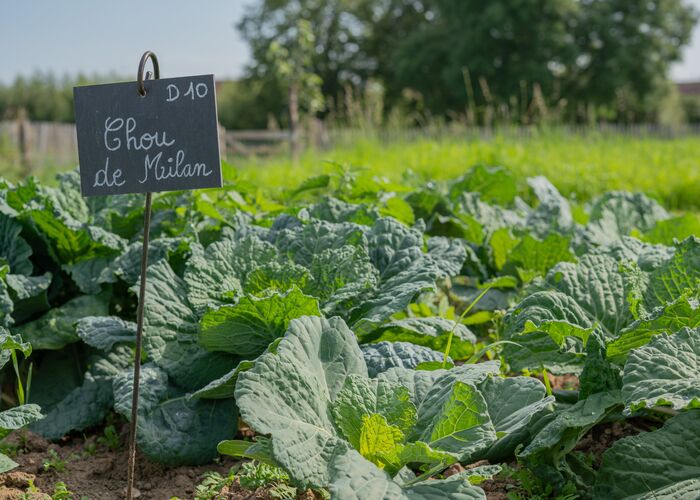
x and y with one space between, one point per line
371 334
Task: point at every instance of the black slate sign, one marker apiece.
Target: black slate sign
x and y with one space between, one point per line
166 140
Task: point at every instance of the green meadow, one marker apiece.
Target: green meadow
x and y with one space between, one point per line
580 165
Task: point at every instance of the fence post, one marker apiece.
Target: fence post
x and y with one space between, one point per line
222 140
23 132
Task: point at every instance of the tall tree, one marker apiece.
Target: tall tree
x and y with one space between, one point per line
589 52
624 51
336 31
577 55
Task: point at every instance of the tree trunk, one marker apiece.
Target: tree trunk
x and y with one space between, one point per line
295 136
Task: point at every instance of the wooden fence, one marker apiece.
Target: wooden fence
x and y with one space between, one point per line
41 143
36 144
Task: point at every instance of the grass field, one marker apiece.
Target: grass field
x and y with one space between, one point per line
579 165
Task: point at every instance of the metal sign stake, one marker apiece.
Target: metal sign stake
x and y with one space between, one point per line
142 295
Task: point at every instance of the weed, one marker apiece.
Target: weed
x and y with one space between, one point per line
254 475
61 492
54 461
212 484
110 438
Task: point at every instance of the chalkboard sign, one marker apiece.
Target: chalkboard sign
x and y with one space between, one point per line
166 140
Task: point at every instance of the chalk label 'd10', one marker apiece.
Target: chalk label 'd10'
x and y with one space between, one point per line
166 140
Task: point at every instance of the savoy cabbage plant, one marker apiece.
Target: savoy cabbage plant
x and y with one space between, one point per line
313 396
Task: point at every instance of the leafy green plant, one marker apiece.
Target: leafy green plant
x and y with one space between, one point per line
326 317
110 438
211 485
61 492
53 461
388 420
254 475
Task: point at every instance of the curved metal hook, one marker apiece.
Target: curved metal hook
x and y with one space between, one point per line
142 66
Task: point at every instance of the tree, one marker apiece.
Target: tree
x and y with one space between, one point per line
292 65
521 57
589 52
624 51
334 53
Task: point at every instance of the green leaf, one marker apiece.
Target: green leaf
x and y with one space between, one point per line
421 384
431 332
552 214
355 478
302 243
361 397
334 210
56 328
661 464
287 395
495 184
547 452
384 355
671 317
224 386
379 442
593 292
260 450
419 452
675 228
533 257
341 277
102 332
316 182
599 374
6 463
170 332
13 248
617 214
596 292
448 254
398 209
172 429
665 372
18 418
537 350
417 382
247 328
458 226
678 275
186 432
72 400
127 267
6 305
153 388
404 271
28 294
9 343
280 276
213 274
501 243
455 418
512 403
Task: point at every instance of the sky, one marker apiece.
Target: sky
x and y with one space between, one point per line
103 36
189 38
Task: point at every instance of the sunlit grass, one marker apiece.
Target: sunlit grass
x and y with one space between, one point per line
580 166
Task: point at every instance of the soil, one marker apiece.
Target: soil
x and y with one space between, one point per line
562 382
91 470
603 436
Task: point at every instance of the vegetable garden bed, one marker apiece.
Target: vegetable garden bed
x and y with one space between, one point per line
371 336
